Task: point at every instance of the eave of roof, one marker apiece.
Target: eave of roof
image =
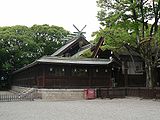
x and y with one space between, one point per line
63 47
67 60
25 67
67 45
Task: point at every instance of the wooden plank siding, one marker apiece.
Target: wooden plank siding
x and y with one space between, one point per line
64 76
143 92
132 80
26 78
40 76
72 79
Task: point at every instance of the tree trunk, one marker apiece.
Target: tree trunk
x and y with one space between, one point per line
150 75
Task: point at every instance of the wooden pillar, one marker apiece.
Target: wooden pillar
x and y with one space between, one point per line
43 78
89 76
69 75
110 77
36 76
107 77
125 74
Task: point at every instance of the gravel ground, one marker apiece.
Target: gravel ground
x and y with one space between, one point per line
106 109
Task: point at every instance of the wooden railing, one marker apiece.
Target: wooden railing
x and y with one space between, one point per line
28 96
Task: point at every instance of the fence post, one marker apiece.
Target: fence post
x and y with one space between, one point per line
126 93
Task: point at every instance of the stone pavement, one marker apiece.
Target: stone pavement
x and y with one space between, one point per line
106 109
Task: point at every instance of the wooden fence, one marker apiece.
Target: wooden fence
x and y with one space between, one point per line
132 91
18 97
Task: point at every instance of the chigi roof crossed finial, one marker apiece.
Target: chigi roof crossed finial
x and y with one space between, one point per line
74 35
71 40
79 32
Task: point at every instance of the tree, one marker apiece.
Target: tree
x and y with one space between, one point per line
134 22
49 38
16 47
21 45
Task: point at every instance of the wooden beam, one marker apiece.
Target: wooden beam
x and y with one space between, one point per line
95 52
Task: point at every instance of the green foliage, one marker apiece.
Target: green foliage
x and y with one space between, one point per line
115 37
135 22
21 45
128 21
49 38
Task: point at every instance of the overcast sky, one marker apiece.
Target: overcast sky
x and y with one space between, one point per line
63 13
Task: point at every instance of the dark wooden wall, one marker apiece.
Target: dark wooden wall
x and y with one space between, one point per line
158 77
25 78
64 76
76 76
132 80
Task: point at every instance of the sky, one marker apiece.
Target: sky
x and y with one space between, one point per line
62 13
